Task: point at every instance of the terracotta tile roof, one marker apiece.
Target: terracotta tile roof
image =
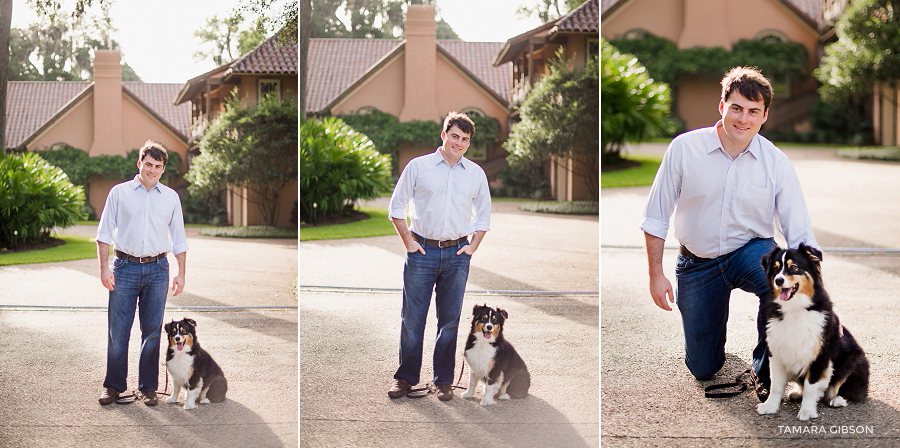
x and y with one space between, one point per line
810 10
268 58
583 19
336 64
158 98
31 104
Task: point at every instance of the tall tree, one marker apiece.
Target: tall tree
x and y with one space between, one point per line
548 10
303 54
368 19
217 38
278 16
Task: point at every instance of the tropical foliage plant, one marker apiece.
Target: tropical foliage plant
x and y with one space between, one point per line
35 197
338 166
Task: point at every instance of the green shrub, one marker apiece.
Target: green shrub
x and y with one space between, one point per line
203 208
883 153
563 208
250 232
35 197
338 166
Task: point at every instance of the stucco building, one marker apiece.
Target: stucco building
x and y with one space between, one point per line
715 23
269 68
106 116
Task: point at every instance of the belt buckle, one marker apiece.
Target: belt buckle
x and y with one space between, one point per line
145 260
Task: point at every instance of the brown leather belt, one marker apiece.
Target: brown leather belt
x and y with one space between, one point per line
684 251
141 260
442 244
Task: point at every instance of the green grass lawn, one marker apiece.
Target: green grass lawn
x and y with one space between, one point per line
637 176
377 224
76 248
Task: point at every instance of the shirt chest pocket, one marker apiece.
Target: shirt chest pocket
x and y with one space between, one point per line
755 202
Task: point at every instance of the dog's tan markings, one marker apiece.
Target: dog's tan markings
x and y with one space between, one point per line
777 265
806 285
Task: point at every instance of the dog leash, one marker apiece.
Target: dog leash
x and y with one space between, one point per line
738 382
133 396
431 387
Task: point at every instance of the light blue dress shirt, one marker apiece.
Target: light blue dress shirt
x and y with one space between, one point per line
444 203
141 222
722 203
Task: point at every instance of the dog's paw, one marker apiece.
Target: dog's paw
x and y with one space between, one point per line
504 397
469 393
795 391
172 399
767 408
487 400
837 402
204 401
188 406
806 414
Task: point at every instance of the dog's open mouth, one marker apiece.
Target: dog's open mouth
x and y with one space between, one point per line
487 334
788 293
179 346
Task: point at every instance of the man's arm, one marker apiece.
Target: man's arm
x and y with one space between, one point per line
659 284
106 274
178 283
402 229
473 243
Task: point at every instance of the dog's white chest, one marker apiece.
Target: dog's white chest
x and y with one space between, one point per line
181 366
481 358
796 339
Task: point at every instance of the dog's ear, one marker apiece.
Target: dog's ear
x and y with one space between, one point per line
168 326
811 252
766 260
190 321
503 313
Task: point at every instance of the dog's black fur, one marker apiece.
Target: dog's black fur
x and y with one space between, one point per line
203 366
492 359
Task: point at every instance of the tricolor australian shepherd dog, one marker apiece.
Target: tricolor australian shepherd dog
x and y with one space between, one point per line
807 343
192 367
492 360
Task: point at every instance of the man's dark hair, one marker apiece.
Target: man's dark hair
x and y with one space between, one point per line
154 150
462 121
750 83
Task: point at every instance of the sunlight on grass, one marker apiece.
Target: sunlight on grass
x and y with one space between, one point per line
637 176
77 247
377 224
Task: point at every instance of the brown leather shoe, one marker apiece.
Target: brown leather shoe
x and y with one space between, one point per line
108 395
445 392
400 388
149 397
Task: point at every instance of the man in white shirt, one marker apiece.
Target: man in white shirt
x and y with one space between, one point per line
449 200
728 184
143 218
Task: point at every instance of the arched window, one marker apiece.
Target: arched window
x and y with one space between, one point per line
365 110
771 36
636 33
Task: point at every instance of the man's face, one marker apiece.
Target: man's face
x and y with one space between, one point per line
456 142
742 118
150 170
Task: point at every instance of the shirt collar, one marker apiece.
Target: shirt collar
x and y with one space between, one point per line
136 182
438 158
713 143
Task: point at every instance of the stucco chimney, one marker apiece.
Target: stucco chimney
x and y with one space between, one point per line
107 104
420 83
705 25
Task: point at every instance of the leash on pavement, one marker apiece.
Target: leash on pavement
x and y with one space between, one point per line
133 396
738 382
424 391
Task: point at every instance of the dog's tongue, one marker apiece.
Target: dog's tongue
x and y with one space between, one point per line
179 346
487 334
785 294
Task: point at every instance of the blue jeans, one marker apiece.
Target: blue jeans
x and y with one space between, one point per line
704 294
142 286
445 273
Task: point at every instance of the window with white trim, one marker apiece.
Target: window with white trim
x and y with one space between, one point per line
267 86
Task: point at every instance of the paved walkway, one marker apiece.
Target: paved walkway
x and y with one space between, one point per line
650 399
53 333
349 336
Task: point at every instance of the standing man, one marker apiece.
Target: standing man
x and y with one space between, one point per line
725 183
143 218
450 201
